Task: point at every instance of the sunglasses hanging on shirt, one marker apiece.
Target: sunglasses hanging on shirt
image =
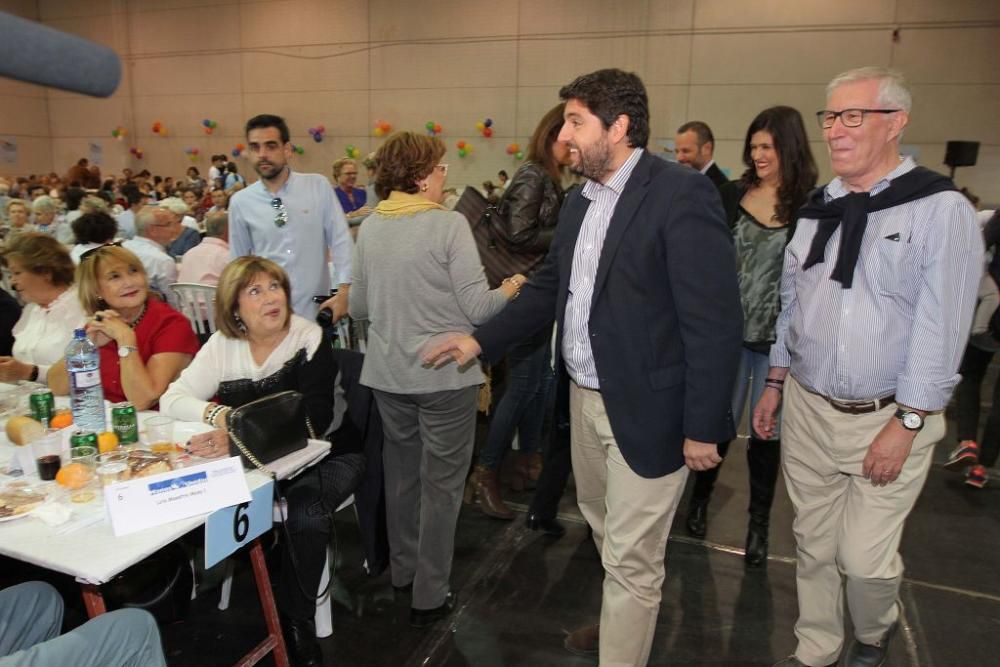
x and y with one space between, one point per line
280 214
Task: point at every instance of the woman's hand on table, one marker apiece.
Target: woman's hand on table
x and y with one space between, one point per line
12 370
210 445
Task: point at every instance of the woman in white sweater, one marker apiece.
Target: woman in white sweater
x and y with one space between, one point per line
261 348
41 272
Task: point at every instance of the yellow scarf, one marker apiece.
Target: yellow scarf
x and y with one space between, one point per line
400 204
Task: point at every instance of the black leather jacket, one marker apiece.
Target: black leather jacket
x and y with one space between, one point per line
530 208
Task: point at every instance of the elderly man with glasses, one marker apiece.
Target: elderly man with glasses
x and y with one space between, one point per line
156 228
877 294
292 219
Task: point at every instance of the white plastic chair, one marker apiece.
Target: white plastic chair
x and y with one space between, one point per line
324 607
197 303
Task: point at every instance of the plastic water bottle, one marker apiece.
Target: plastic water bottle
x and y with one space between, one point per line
86 395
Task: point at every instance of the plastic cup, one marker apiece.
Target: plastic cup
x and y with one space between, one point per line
85 454
160 435
47 451
112 467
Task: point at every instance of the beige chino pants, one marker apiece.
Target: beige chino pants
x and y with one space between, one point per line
631 518
847 532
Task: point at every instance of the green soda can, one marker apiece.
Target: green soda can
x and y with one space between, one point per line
125 423
43 405
82 438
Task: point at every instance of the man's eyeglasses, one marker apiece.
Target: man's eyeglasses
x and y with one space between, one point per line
117 244
849 117
280 214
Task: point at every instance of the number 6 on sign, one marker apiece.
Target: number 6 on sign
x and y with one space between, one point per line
230 528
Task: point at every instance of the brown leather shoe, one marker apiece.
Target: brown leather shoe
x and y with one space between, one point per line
583 641
488 490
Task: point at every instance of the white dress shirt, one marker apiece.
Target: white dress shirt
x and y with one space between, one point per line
161 269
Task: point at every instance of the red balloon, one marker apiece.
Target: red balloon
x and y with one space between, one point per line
487 132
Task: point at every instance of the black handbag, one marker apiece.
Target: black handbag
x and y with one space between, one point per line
268 428
489 227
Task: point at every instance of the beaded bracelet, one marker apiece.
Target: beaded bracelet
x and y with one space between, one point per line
213 413
223 409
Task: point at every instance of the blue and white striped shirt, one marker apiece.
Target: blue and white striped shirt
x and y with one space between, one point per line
903 326
603 198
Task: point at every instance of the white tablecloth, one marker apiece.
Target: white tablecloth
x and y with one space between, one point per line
92 553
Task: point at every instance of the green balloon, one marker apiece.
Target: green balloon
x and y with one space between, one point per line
519 155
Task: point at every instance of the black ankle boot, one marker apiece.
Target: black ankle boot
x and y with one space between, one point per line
756 547
697 519
300 639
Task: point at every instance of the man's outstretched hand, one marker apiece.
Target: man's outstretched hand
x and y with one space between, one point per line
458 347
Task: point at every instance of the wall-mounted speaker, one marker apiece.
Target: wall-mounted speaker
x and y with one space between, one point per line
961 153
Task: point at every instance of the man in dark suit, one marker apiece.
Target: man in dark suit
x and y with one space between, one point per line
694 146
641 279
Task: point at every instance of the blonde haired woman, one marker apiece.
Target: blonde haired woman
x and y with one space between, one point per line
144 343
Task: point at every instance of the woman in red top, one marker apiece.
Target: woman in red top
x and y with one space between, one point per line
144 343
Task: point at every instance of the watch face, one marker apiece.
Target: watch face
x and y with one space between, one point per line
124 351
912 420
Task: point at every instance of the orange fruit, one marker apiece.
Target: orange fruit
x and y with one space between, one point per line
74 475
107 441
61 419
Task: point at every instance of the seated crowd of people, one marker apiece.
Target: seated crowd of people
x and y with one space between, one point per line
82 251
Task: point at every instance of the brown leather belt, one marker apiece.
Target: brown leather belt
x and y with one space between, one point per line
859 407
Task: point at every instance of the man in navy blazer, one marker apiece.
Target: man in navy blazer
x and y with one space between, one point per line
641 279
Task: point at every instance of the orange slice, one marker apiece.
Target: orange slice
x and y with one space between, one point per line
61 419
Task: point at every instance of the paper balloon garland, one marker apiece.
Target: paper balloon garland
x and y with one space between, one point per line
119 133
485 127
238 150
381 128
317 133
464 148
433 128
352 151
209 125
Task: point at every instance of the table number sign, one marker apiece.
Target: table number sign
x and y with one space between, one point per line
231 528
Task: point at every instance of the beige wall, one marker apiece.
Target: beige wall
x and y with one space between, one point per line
346 63
24 112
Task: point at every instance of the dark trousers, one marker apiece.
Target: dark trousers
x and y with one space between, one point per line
312 499
763 462
975 362
558 461
522 406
